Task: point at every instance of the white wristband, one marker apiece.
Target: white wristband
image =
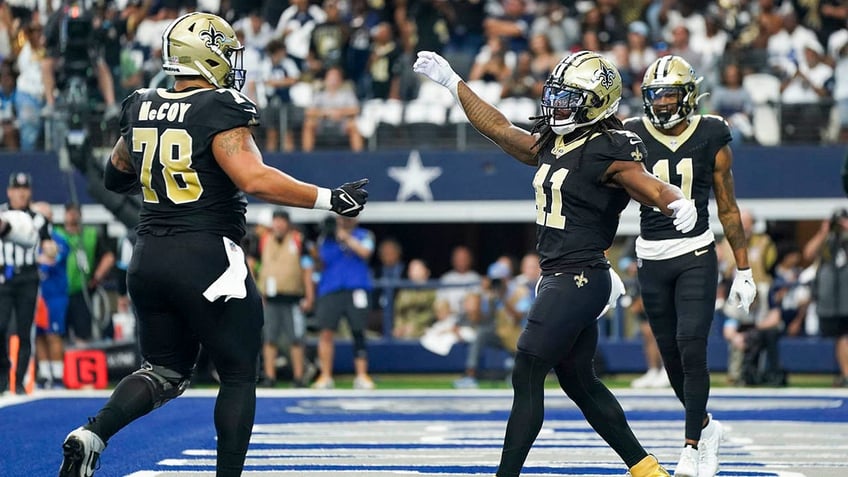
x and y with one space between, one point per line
322 201
452 86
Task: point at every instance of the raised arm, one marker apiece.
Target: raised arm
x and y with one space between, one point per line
486 118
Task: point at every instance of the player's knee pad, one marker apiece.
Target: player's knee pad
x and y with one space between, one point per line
165 384
693 353
359 350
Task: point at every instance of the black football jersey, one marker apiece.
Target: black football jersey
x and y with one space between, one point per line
577 213
687 161
169 135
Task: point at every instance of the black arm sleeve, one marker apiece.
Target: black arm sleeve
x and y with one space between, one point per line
119 181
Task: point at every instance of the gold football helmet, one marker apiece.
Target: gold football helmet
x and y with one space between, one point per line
583 88
206 45
669 91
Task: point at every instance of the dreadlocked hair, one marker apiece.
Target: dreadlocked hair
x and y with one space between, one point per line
547 136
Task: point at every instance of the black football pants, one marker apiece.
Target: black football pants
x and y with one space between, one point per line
679 296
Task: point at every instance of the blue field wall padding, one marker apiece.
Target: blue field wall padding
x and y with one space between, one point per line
810 172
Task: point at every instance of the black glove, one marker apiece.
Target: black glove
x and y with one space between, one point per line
349 199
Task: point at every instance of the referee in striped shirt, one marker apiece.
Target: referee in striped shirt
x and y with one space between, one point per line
19 282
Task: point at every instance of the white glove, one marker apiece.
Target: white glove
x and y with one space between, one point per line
685 214
743 290
616 290
437 69
22 229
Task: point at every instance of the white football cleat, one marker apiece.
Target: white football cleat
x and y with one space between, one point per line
81 451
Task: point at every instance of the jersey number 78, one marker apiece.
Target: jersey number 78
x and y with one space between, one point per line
173 149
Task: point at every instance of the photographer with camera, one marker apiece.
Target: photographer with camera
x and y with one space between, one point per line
830 248
73 58
343 253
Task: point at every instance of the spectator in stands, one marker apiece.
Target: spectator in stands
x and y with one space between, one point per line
390 269
520 296
344 250
494 63
328 45
7 30
733 102
543 58
558 24
257 32
461 275
89 263
838 52
153 25
333 111
641 53
589 41
513 25
787 43
425 24
362 19
789 296
605 20
30 90
384 65
480 310
465 22
675 13
295 28
285 282
829 248
833 16
281 73
805 96
712 48
8 94
682 45
52 264
414 307
131 70
521 83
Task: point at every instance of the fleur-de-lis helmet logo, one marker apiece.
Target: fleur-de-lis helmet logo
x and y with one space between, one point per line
213 38
605 75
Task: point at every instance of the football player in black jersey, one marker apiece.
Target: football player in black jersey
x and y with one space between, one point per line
190 153
588 167
678 270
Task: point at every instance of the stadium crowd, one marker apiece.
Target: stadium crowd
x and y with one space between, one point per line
775 69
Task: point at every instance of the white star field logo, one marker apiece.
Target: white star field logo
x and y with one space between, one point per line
414 179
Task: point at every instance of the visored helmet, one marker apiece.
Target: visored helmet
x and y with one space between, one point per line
669 91
206 45
583 88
